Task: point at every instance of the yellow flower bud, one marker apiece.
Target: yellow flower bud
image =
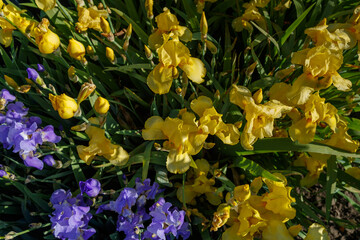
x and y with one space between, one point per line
148 53
258 96
65 105
110 55
90 50
49 42
71 72
211 47
149 8
105 26
129 31
101 105
203 27
85 91
11 82
76 49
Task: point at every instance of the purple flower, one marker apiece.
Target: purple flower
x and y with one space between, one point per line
49 160
7 96
32 74
22 133
3 173
166 220
91 187
48 135
40 67
70 218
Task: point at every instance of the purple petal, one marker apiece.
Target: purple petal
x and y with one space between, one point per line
49 160
33 162
40 67
32 74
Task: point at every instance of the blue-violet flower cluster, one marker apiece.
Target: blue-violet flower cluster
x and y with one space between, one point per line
131 205
71 216
22 133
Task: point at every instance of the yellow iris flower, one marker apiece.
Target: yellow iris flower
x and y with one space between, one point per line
185 136
174 54
92 18
101 146
260 117
249 214
169 25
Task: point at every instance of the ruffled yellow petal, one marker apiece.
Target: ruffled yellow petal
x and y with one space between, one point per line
160 79
194 69
45 4
153 129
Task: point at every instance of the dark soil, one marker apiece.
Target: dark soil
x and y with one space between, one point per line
340 209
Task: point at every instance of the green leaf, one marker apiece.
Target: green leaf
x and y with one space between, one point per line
330 184
306 210
267 35
137 29
271 145
253 168
294 25
146 161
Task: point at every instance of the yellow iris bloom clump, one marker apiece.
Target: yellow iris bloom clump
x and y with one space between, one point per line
172 54
251 14
101 146
10 20
185 136
92 18
197 184
260 117
249 214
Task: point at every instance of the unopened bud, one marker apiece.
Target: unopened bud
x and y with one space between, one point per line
129 31
105 26
90 50
110 55
85 91
148 53
203 27
258 96
209 45
149 8
71 74
100 6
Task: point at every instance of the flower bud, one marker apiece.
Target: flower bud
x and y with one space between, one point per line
105 26
148 53
110 55
101 105
85 91
76 49
71 74
65 105
211 47
90 50
258 96
203 27
34 76
129 31
149 4
11 82
49 43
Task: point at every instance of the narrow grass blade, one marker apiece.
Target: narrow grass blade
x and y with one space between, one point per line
295 24
330 184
